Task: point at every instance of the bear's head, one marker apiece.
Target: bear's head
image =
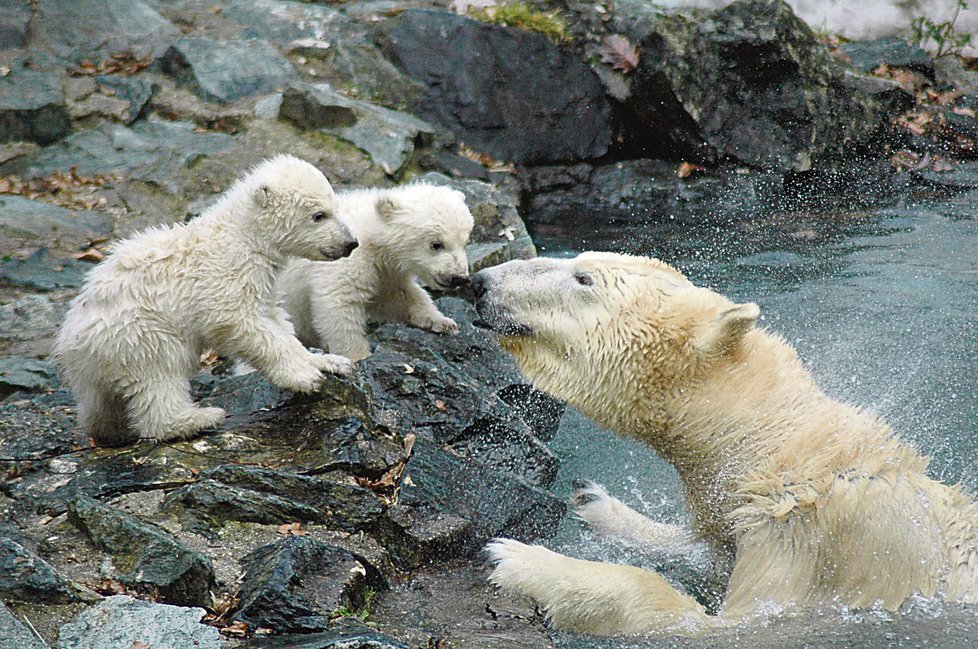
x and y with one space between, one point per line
423 232
296 210
592 329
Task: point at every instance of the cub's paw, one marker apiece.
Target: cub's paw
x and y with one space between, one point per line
188 424
304 378
440 324
334 364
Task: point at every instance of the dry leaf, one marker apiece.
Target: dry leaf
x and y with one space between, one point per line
237 629
408 369
440 405
92 254
139 644
123 63
409 440
619 52
967 112
292 528
4 70
687 168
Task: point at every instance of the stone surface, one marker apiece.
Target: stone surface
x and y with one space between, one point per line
28 324
122 622
95 29
27 224
14 635
388 136
43 271
137 92
14 22
226 72
505 91
747 82
32 105
153 150
25 577
297 584
27 374
145 557
349 636
891 51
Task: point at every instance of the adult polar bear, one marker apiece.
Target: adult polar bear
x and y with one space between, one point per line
133 337
810 501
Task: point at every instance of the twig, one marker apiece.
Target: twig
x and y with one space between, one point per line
26 619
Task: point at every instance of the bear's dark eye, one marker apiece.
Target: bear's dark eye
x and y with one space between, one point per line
319 216
584 279
437 245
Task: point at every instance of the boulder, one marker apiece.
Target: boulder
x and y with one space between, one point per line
747 82
137 92
43 271
76 30
14 635
504 91
890 51
28 324
14 22
389 137
145 557
121 622
344 635
32 105
298 584
27 224
225 72
22 373
26 577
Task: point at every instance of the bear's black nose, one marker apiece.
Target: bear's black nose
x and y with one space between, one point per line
479 284
350 247
458 281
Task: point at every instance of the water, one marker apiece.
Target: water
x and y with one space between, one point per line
883 307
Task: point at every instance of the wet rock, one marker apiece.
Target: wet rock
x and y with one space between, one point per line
357 448
43 271
349 635
14 635
496 504
137 92
27 374
890 96
153 150
417 533
226 72
487 441
14 23
26 577
28 324
296 585
122 621
497 226
240 396
259 495
540 411
32 431
388 136
891 51
505 91
95 29
145 556
747 82
32 105
637 191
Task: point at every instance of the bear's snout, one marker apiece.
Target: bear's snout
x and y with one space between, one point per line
349 247
458 281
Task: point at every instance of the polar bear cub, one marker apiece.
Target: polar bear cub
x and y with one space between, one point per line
803 501
409 235
133 337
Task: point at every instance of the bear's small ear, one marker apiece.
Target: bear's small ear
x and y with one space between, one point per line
728 329
386 206
263 196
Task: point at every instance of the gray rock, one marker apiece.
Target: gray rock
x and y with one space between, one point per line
146 557
120 621
27 224
296 584
94 29
14 635
28 374
153 150
136 91
891 51
417 533
747 82
498 233
26 577
32 105
28 324
43 271
348 636
226 72
14 22
506 91
389 137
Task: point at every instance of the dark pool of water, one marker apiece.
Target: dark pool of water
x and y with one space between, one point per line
883 307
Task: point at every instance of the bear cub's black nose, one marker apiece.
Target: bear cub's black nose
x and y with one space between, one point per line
350 247
458 281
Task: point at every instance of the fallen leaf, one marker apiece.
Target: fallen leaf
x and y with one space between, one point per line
509 233
619 52
92 254
292 528
967 112
236 629
440 405
687 168
138 644
4 70
409 440
408 369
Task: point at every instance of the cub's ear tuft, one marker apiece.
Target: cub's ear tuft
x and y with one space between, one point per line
263 196
726 331
386 207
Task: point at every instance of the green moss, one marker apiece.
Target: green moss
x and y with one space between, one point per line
363 613
523 16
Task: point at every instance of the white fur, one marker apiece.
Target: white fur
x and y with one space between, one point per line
133 336
804 501
331 303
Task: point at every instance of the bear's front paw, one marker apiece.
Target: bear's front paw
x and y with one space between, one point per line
304 378
441 325
593 505
334 364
